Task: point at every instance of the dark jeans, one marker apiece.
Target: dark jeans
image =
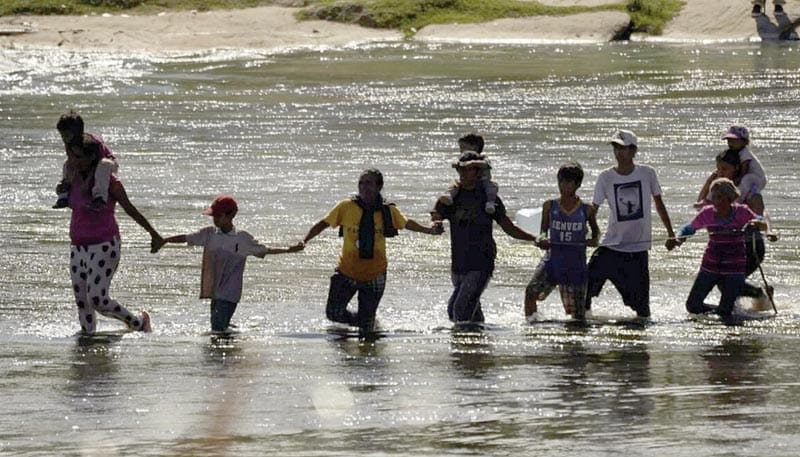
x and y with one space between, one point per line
465 302
221 313
730 287
628 271
342 291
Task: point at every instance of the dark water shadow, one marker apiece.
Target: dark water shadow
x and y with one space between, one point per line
736 367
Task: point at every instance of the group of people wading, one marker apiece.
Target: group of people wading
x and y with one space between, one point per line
730 208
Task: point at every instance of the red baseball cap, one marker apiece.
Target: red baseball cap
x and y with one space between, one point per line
222 204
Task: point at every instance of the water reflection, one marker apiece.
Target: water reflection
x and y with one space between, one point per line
736 368
364 363
602 388
227 393
471 354
222 350
93 377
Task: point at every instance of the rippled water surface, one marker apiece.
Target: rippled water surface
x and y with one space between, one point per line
288 135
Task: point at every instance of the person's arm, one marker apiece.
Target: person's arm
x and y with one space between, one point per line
703 195
514 231
594 241
118 192
268 251
543 242
683 232
435 228
664 215
314 231
756 204
155 247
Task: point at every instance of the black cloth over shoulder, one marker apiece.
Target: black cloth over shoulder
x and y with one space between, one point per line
366 228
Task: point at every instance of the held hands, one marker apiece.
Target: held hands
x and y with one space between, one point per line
436 228
297 247
672 243
156 243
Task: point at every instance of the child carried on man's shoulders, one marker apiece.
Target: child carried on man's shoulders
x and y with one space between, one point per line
474 143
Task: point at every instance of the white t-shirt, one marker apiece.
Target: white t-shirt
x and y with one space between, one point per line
628 196
224 256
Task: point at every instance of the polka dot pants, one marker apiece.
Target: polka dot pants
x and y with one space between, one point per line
91 269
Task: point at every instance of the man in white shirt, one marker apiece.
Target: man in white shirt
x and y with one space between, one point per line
622 256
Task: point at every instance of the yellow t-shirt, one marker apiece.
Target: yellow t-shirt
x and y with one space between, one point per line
347 214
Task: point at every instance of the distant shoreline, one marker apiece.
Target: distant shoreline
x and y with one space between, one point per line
273 27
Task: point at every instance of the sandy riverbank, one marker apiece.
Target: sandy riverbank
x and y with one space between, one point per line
274 27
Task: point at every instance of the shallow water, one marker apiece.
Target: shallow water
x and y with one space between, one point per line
287 135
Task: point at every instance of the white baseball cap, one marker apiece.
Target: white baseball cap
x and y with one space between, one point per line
624 138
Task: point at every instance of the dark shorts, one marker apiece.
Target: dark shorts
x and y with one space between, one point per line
628 271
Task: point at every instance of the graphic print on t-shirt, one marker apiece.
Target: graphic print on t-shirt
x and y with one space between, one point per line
629 201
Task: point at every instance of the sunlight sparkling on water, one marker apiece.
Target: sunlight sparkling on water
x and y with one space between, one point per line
287 134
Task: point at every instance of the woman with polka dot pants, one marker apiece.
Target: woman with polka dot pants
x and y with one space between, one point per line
95 250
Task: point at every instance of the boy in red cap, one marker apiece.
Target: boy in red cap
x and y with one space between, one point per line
225 250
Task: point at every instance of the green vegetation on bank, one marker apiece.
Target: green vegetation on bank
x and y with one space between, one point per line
647 16
651 16
67 7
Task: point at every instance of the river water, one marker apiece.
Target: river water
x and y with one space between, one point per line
287 134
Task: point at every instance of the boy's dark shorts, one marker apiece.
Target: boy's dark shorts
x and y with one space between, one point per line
628 271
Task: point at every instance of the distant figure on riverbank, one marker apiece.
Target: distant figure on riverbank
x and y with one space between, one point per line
760 5
622 256
70 127
225 251
366 220
564 225
725 259
95 238
474 143
472 246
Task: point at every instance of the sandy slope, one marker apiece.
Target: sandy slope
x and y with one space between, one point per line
275 27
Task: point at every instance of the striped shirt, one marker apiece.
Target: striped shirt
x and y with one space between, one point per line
725 252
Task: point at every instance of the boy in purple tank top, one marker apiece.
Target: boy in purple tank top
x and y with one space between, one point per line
564 222
725 258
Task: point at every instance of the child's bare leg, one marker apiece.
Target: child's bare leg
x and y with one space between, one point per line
62 189
573 297
530 305
537 289
751 184
491 188
448 197
102 178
